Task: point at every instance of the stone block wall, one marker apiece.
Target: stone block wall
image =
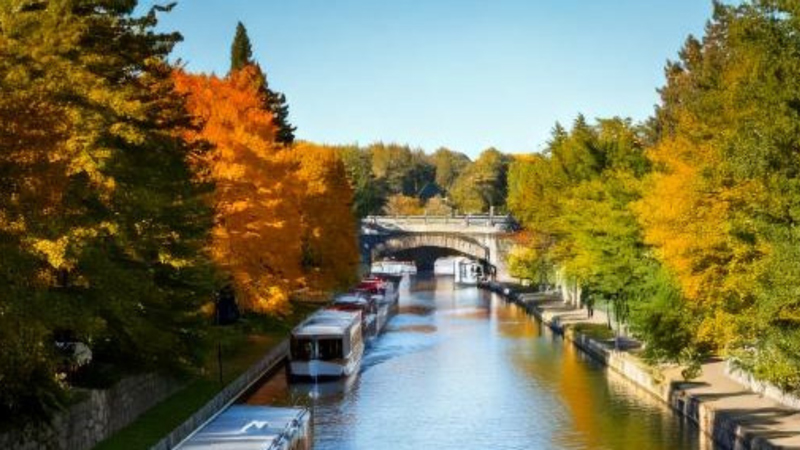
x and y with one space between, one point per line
101 414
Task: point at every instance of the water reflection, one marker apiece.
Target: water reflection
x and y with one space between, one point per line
459 368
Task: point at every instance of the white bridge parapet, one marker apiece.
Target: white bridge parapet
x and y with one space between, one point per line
469 224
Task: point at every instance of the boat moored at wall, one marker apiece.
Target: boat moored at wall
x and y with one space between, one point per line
467 271
328 344
365 304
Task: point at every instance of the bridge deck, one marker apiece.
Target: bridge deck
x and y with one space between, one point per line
452 224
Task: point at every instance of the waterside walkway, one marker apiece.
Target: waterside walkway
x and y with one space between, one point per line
732 415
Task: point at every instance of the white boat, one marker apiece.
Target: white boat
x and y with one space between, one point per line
392 267
247 427
328 344
467 271
365 304
444 266
384 292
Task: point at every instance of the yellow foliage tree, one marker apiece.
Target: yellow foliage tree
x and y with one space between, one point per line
329 241
257 232
403 205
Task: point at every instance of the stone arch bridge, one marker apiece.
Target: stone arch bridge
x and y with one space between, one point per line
426 238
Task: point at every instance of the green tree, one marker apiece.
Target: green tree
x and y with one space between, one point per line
369 193
448 165
722 206
483 184
104 224
241 50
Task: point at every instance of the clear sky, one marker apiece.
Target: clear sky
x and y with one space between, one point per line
465 74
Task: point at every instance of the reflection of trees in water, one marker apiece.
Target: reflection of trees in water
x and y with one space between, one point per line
514 322
605 410
422 284
417 310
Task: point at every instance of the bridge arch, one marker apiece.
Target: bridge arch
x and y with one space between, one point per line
459 244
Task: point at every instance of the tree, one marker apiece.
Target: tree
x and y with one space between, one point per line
721 207
404 171
369 192
576 202
437 206
448 165
274 101
241 50
103 227
257 230
483 184
329 241
403 205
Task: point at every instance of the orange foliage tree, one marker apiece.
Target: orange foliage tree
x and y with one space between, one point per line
257 232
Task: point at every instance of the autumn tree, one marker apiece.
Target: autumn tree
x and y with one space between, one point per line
102 226
437 206
403 205
257 231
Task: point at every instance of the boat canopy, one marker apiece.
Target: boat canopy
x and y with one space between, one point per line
327 322
249 427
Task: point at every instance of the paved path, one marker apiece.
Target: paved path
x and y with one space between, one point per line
760 421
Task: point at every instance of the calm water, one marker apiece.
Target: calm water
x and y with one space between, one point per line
459 368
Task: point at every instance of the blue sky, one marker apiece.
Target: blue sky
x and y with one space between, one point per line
465 74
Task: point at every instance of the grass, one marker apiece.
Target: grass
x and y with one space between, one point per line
242 345
597 331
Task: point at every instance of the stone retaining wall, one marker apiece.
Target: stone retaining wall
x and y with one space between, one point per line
103 413
766 389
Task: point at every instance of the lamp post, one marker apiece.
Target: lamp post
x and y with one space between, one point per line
226 312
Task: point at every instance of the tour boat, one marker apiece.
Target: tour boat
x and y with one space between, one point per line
392 267
328 344
386 294
365 304
467 271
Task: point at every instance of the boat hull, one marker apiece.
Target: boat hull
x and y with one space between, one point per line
323 370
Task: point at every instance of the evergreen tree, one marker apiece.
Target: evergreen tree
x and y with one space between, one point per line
275 102
241 50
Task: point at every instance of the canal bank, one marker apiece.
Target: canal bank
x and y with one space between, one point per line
729 413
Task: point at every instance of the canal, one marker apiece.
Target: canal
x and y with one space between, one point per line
459 368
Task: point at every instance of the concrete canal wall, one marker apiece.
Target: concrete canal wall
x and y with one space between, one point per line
733 415
101 414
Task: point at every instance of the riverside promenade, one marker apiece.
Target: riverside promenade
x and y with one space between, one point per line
728 412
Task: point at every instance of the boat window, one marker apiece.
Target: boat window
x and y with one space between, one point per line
329 349
302 349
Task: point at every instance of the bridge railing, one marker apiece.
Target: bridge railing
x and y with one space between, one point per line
505 222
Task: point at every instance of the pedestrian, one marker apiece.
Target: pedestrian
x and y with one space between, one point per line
590 306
